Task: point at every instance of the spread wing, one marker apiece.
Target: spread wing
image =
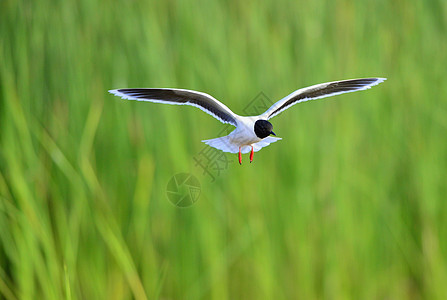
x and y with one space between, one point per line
319 91
181 97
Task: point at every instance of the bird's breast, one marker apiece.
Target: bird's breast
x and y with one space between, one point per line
244 136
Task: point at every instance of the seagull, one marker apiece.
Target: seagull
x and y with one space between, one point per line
252 132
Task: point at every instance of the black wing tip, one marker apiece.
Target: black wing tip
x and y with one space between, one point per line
357 84
371 80
115 92
132 93
122 94
375 81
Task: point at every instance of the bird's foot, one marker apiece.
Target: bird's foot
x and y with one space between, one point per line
251 154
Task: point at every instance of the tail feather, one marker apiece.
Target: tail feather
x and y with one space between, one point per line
222 143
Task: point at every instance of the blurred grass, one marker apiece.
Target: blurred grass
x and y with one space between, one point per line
349 205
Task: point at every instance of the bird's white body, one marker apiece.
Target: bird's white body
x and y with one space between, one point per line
243 136
250 134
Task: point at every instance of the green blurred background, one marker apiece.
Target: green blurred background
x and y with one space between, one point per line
351 204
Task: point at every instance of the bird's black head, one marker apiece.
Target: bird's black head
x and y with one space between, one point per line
263 129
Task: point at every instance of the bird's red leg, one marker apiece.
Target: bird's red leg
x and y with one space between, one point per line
240 156
251 154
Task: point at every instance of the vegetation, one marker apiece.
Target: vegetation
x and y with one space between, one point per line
351 204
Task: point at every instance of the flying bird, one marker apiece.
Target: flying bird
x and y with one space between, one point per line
252 132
